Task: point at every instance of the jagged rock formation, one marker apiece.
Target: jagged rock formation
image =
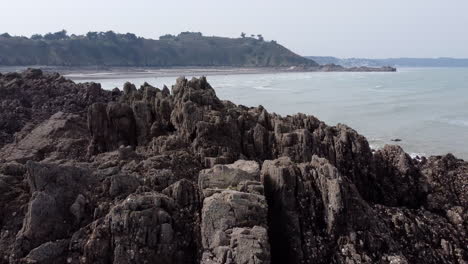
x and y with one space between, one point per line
32 97
234 215
151 175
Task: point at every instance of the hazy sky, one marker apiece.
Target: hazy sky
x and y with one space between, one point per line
342 28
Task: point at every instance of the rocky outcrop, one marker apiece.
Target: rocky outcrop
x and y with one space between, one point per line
14 197
146 226
58 204
70 217
221 132
31 97
241 175
234 216
399 180
310 205
447 178
61 137
112 126
153 175
316 215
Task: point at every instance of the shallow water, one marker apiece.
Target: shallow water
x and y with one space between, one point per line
427 108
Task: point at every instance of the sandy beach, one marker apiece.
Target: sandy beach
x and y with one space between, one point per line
90 73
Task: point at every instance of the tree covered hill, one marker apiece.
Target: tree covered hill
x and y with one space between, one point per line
111 49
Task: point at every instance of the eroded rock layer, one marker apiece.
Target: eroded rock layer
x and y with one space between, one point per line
153 175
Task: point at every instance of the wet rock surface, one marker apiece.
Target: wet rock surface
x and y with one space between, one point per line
149 175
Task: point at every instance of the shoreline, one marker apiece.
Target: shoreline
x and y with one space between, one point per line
124 73
87 73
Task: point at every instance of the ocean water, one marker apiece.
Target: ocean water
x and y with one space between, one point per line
427 108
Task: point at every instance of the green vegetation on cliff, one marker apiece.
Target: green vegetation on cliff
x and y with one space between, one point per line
111 49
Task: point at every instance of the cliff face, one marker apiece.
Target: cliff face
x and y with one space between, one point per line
110 49
153 175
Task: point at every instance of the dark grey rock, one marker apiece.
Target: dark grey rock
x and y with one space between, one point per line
234 223
184 177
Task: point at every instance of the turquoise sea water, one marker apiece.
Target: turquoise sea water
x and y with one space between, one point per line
427 108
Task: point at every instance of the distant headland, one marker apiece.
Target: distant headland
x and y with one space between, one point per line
393 62
187 49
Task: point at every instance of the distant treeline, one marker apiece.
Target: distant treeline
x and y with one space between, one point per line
112 49
394 62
